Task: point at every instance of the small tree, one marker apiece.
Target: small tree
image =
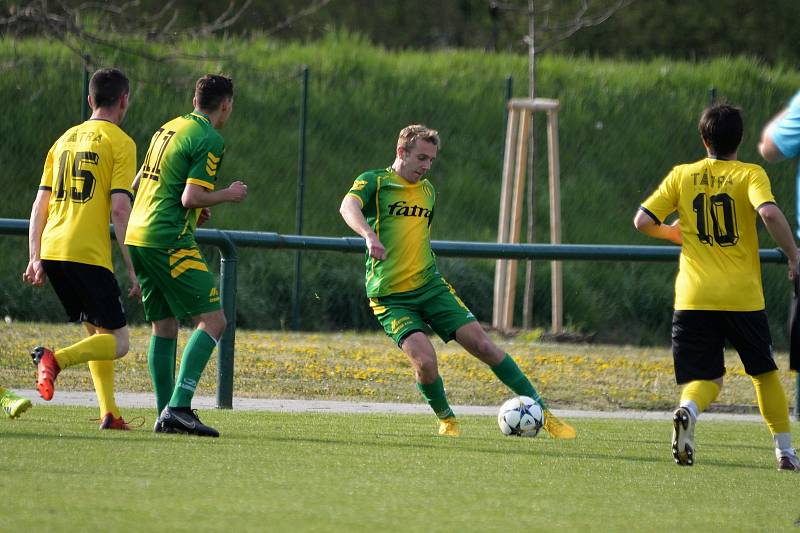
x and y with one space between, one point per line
559 21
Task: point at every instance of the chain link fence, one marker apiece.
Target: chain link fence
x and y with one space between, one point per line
621 130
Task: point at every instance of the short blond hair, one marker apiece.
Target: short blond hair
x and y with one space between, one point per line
411 134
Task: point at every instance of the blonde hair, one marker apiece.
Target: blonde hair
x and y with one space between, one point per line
411 134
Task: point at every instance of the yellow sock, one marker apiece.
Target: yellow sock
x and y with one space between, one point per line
772 401
702 392
101 347
103 377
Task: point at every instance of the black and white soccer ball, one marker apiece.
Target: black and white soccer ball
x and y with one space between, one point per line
521 416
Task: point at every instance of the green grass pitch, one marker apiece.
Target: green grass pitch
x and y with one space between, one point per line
356 472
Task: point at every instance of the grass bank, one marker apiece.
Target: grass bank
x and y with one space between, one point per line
622 126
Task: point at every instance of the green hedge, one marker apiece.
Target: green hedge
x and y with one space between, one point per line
622 126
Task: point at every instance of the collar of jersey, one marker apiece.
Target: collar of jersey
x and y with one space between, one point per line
390 170
198 114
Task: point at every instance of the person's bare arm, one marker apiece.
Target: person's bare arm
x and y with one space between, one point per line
352 215
34 272
645 223
120 213
778 227
196 196
766 146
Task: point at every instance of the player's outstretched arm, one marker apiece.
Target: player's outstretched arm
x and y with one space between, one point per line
645 223
34 272
352 215
778 227
196 196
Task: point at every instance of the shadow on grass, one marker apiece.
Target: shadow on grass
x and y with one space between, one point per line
550 448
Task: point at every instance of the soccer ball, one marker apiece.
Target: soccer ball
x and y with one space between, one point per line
521 416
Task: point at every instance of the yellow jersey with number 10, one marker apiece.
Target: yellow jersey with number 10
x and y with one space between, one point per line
717 203
84 167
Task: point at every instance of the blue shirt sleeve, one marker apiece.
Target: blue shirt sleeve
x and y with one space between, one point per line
786 132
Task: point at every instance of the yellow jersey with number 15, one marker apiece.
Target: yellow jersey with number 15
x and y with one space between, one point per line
717 203
84 167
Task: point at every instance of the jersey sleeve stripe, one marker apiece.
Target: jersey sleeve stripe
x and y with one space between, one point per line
765 203
122 191
45 188
357 197
202 183
651 215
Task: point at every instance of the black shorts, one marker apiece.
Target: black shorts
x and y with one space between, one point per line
698 343
89 293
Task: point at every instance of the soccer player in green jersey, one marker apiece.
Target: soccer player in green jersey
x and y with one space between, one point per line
718 292
392 210
175 185
86 180
12 404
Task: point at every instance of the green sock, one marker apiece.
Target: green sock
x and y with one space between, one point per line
435 396
195 356
161 361
509 373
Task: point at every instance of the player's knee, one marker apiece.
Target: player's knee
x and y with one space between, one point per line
214 324
166 328
427 367
485 347
219 326
123 345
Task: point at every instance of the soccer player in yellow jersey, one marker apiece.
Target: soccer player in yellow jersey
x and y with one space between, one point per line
87 175
392 210
718 293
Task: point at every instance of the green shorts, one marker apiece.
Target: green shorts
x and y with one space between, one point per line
435 304
175 283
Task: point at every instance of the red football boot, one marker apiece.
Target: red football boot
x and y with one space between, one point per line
111 422
47 370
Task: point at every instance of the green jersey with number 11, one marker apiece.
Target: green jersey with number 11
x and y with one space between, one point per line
186 150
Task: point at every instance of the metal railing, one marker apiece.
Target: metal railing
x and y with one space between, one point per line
227 242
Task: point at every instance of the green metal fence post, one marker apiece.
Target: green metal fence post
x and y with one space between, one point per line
85 100
301 184
509 95
229 259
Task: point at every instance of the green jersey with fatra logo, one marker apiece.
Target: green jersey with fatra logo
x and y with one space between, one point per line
186 150
400 213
